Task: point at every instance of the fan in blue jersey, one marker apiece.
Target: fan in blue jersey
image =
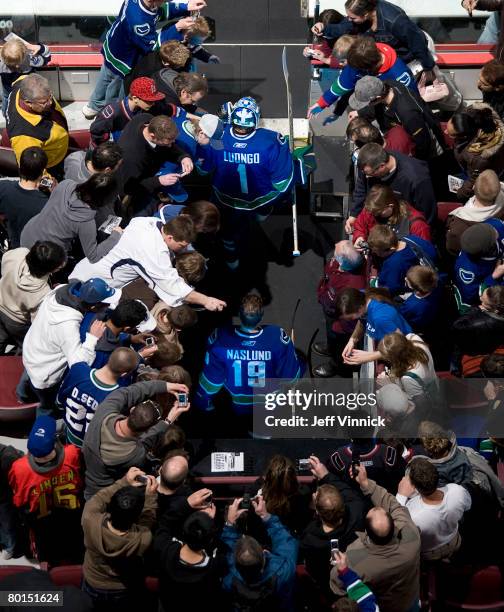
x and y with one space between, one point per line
85 387
252 171
132 35
194 137
479 263
243 358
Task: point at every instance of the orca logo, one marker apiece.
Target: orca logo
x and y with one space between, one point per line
142 30
405 79
239 145
466 276
281 139
284 336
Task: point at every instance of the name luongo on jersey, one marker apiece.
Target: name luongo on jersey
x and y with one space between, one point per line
248 355
242 158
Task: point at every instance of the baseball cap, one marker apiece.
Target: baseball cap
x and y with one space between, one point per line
478 239
42 436
366 89
145 89
94 291
212 127
149 323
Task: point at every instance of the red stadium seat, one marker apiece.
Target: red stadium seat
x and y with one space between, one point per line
445 208
10 408
9 570
469 589
67 575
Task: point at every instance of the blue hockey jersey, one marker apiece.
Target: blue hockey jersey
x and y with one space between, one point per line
80 394
252 170
394 268
134 34
471 272
421 312
242 362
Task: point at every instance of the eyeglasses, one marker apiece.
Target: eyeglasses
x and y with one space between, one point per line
40 102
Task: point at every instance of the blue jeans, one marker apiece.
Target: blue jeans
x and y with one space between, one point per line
490 34
47 397
106 90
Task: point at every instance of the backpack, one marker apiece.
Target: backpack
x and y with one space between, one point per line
254 597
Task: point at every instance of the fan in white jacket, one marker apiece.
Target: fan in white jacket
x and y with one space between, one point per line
53 341
145 250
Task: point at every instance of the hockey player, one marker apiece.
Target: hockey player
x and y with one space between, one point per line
132 35
242 358
479 264
253 170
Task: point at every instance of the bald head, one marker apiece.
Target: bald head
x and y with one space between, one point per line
122 361
379 526
487 187
174 470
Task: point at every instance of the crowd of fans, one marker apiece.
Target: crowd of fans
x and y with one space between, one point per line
103 291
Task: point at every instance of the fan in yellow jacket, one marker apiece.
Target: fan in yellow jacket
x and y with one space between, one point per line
34 118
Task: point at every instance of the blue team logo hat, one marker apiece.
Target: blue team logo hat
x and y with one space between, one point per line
246 113
42 437
176 192
95 291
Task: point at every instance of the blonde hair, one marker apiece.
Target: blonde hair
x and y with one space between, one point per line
342 46
13 53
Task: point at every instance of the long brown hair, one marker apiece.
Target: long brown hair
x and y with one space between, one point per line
280 484
350 300
401 353
380 197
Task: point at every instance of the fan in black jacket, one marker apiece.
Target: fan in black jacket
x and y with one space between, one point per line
341 509
190 569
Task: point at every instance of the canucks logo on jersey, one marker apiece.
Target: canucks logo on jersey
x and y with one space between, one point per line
242 362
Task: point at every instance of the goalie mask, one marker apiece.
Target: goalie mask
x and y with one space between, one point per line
246 114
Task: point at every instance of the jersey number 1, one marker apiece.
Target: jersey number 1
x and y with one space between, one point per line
256 373
242 171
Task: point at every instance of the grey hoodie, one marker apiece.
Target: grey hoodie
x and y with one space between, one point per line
20 292
65 218
75 167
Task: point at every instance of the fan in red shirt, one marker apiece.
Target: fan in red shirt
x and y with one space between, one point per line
47 487
384 206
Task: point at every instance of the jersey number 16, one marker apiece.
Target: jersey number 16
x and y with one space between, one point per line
256 373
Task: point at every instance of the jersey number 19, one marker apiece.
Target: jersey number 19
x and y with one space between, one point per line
256 373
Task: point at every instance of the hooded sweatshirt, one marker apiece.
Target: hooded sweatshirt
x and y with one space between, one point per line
461 218
53 342
165 83
65 218
20 292
76 168
113 561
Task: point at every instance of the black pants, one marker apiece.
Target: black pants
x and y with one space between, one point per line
11 332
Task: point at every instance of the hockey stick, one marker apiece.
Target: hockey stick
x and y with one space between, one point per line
292 335
295 250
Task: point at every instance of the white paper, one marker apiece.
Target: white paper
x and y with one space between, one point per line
110 223
454 183
227 462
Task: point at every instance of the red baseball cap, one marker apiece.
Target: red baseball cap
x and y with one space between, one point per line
145 89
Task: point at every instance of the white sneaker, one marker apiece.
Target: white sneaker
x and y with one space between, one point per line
88 112
7 554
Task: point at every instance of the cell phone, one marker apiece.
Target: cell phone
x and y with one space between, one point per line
246 502
209 500
334 547
303 465
141 478
182 399
150 341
